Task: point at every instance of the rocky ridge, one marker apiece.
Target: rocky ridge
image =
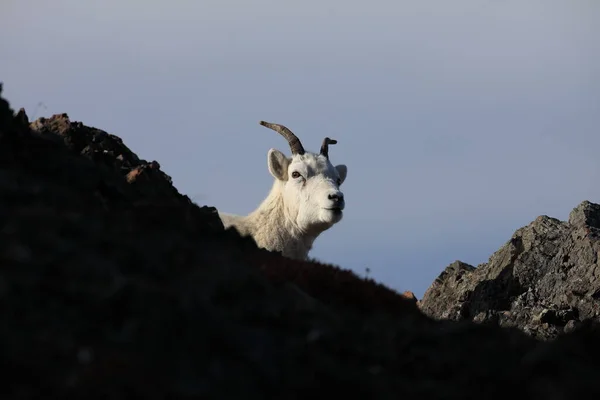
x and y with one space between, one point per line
113 285
545 280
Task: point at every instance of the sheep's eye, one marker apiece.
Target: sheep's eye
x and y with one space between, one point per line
296 174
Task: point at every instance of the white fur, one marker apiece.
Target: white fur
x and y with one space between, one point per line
296 210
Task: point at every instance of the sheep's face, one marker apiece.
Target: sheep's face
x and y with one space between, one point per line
311 188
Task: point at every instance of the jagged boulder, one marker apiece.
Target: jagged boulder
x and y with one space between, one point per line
545 280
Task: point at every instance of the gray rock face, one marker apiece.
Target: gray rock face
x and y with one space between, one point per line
545 280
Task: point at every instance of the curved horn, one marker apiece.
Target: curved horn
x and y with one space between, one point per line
293 141
325 146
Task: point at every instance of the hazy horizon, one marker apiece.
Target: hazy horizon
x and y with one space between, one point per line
459 122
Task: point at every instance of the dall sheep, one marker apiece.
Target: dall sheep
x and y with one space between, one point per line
304 201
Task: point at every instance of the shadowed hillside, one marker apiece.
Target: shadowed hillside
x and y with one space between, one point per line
114 285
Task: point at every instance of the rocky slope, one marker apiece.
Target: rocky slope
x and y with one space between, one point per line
113 285
545 280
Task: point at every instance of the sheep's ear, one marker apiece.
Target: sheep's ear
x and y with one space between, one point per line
343 171
278 164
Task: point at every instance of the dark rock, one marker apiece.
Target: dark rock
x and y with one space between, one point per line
546 275
586 215
410 296
571 325
115 286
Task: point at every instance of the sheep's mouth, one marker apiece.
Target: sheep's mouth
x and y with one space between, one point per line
337 210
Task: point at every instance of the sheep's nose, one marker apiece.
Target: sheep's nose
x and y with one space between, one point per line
337 197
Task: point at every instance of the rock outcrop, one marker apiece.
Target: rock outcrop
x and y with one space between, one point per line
545 280
113 285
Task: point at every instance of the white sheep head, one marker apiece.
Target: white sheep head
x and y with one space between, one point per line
309 183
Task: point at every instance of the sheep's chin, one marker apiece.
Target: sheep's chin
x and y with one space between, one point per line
331 216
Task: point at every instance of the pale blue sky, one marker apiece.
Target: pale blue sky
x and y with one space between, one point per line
460 121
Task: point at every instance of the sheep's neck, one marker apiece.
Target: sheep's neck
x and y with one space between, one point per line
276 230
